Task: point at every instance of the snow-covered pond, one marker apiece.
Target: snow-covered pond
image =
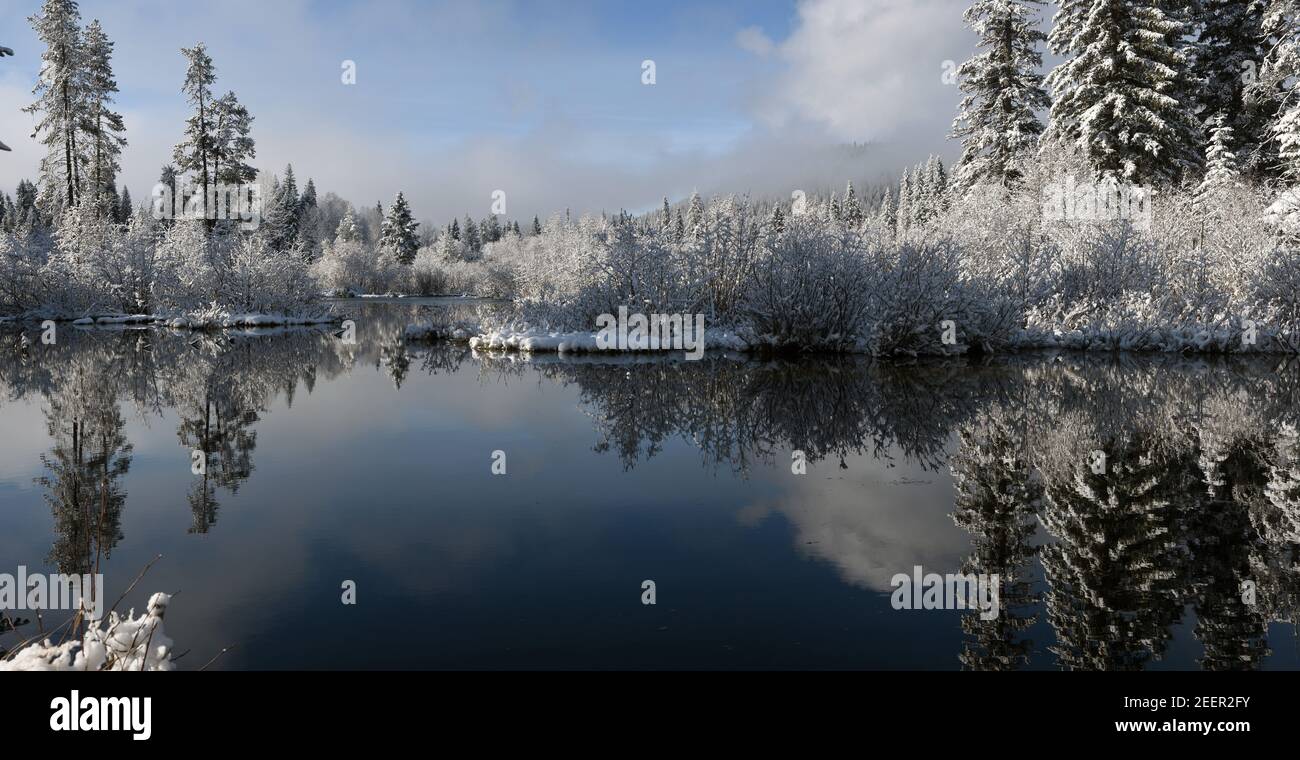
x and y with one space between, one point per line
501 511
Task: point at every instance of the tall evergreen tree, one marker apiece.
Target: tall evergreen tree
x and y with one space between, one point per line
61 103
232 144
125 209
851 208
103 126
905 200
887 214
195 153
1228 54
348 232
777 222
309 195
490 229
469 234
400 233
998 120
167 178
1279 84
1116 96
1221 165
280 223
695 216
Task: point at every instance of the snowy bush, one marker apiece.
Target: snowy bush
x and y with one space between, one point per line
261 280
351 267
120 643
811 286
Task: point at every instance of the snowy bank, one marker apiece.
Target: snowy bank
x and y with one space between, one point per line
120 643
534 340
1134 336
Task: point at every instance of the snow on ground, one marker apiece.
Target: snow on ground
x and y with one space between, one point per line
535 340
223 321
1124 338
120 643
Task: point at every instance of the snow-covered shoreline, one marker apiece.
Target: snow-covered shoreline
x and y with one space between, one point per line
1132 339
222 322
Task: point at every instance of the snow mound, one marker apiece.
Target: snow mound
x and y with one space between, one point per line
121 643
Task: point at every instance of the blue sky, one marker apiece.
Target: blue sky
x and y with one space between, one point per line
457 98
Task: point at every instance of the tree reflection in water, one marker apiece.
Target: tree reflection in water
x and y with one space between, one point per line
1198 504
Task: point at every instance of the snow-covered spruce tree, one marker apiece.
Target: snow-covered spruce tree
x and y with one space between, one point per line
125 207
490 229
1222 168
400 233
998 122
904 214
1280 83
1115 98
348 230
469 236
851 208
887 214
280 220
195 153
313 224
694 215
1228 53
103 126
61 104
232 143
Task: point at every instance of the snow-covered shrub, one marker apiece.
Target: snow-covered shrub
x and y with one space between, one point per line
122 643
1277 293
810 286
718 257
435 273
427 275
186 273
353 267
915 288
261 280
23 255
1006 260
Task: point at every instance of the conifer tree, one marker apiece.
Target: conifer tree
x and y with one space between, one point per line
1228 54
61 104
195 152
103 126
998 120
400 235
1116 97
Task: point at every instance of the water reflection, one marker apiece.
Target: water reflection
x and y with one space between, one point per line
1194 519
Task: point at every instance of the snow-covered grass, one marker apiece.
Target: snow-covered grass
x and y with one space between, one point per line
122 642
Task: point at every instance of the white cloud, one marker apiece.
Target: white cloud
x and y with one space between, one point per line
754 40
541 113
870 70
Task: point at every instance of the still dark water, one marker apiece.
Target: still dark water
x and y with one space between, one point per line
373 463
